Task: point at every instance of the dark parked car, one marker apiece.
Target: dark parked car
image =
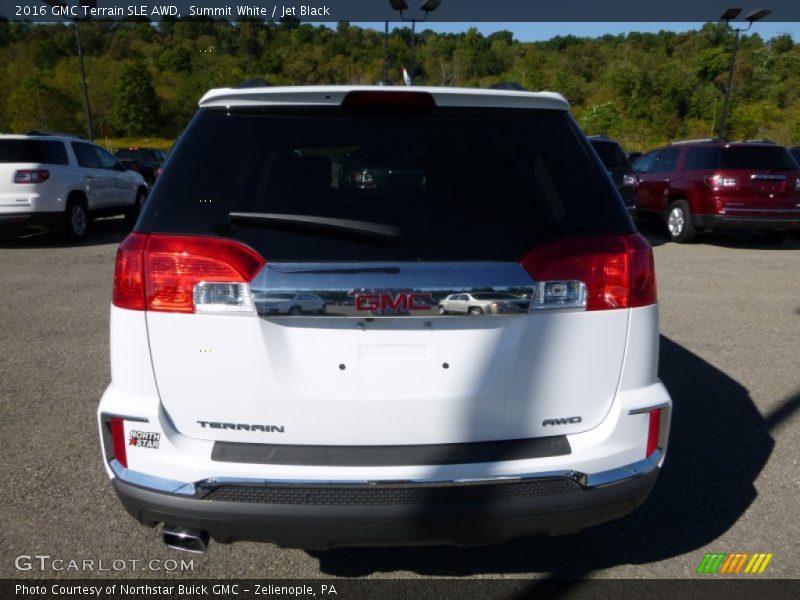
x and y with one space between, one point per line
618 166
146 161
711 184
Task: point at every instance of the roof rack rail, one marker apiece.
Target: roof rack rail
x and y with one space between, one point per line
758 142
252 83
697 141
54 133
508 85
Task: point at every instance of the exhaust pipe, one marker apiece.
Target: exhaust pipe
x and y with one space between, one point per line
183 538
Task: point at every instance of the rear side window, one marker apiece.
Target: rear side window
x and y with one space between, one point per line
702 159
610 154
756 157
46 152
458 184
665 161
86 155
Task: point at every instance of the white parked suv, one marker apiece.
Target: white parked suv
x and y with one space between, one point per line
59 183
480 303
380 421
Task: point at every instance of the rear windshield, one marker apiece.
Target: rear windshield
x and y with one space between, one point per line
46 152
756 157
136 154
479 184
610 154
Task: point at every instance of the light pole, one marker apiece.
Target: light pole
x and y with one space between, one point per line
728 16
86 108
427 6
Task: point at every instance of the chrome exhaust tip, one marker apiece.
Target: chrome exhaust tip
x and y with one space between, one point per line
183 538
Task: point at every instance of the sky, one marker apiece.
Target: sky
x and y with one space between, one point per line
531 32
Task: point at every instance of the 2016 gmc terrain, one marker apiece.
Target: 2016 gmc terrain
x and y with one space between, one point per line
381 420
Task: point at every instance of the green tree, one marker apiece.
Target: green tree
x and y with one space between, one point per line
33 105
601 119
135 107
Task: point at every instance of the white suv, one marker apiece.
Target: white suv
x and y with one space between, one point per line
59 183
379 421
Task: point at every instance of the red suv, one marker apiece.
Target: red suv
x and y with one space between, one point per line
707 185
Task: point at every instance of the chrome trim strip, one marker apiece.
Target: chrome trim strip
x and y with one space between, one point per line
157 484
108 415
765 210
647 409
604 478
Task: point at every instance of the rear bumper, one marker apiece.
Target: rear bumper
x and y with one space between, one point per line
781 220
318 516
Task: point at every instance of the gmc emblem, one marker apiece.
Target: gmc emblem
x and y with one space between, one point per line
379 302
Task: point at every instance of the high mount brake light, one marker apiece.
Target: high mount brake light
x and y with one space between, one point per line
184 274
391 100
592 273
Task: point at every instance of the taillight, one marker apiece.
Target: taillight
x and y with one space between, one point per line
592 273
797 185
653 431
31 175
363 179
185 274
129 273
718 182
118 439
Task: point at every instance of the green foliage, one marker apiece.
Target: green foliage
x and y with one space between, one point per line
33 105
643 88
135 106
601 119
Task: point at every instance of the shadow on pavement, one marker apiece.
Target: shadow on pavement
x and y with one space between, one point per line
102 231
654 231
719 444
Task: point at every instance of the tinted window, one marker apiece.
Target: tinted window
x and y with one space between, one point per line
610 154
665 161
795 152
136 154
756 157
702 159
46 152
458 184
85 155
105 159
644 163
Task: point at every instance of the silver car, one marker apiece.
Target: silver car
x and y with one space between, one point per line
289 303
483 303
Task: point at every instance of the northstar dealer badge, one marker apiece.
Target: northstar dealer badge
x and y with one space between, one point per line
144 439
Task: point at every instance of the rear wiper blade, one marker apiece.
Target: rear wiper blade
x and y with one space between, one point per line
345 226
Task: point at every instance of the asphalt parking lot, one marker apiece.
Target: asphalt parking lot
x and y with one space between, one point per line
730 311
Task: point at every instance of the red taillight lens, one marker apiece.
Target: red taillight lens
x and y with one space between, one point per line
129 273
118 438
31 175
653 431
618 271
159 272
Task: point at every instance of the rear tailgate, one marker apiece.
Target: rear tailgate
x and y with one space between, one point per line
378 364
766 180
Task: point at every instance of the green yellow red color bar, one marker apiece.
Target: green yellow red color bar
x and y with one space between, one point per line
734 563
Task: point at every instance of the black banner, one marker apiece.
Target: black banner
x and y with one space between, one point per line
411 589
380 10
